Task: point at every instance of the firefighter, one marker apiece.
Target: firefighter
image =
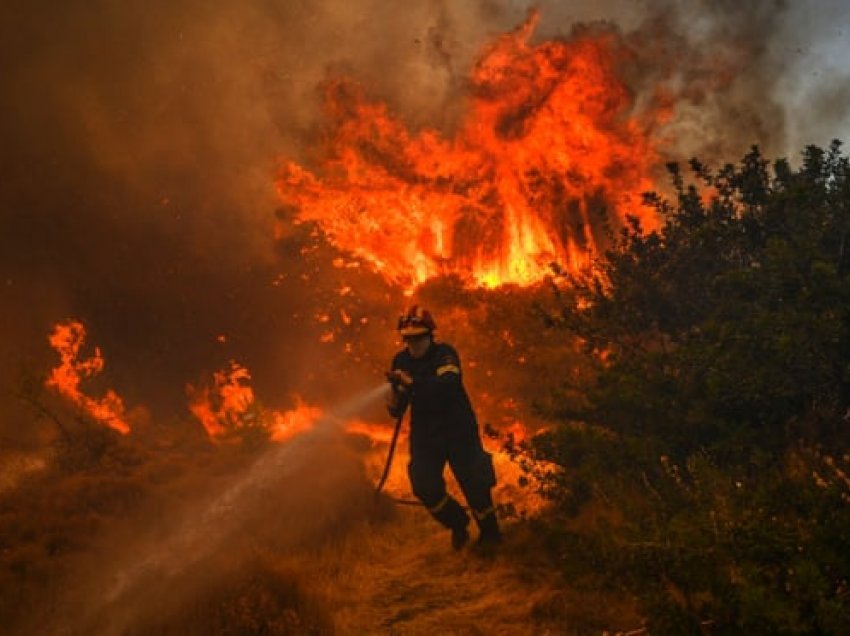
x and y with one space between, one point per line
426 376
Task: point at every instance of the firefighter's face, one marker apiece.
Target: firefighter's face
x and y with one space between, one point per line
418 345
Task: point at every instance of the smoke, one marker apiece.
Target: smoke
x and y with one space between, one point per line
814 47
140 143
139 147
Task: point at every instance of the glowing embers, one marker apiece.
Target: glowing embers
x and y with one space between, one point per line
68 339
551 137
228 409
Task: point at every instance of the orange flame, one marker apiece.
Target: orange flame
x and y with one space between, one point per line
290 423
550 138
376 433
68 339
223 406
229 406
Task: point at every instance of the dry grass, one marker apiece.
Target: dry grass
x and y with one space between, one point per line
400 576
318 556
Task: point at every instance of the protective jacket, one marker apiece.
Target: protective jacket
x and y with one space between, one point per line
440 408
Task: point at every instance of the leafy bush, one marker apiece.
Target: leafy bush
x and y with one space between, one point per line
713 427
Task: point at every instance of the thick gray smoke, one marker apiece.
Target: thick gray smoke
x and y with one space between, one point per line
139 143
766 72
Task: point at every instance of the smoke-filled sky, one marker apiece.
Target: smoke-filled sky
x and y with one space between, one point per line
138 144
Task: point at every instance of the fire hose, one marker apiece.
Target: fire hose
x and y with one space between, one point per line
388 465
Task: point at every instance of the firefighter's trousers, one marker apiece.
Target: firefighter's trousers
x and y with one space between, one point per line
472 467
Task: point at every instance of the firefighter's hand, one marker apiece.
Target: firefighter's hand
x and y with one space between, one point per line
400 378
392 401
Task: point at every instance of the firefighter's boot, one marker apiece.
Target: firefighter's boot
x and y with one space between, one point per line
488 526
460 535
450 513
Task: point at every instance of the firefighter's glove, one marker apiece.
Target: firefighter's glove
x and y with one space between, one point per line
400 380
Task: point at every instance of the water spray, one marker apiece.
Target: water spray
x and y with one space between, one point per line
206 526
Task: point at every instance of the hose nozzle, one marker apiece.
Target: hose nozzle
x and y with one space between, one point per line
393 379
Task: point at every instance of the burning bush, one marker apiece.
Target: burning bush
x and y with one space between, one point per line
68 339
228 410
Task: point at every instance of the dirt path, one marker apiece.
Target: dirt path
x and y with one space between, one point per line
402 577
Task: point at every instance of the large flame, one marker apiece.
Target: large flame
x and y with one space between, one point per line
550 138
227 407
68 339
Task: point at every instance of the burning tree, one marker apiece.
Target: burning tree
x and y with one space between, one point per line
552 137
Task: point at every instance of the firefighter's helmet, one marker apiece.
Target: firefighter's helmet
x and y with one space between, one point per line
416 322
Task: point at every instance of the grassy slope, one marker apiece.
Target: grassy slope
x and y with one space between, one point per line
402 577
316 558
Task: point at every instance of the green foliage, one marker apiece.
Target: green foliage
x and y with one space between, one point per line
714 424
